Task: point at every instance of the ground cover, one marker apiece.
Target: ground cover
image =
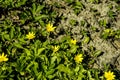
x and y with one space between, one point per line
60 40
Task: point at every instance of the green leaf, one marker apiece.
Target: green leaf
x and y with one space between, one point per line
97 53
76 69
49 72
44 67
62 68
39 8
89 75
39 75
52 66
28 67
18 45
45 43
86 40
73 49
27 51
51 76
33 8
96 75
12 32
40 51
40 17
3 76
35 68
36 9
7 37
53 59
22 41
69 1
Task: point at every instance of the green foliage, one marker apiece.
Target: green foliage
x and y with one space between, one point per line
103 23
108 33
36 10
77 7
12 3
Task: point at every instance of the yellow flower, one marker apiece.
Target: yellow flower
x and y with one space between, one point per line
56 48
78 58
31 35
109 75
50 27
73 41
3 57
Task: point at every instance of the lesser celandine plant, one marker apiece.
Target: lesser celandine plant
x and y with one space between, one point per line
50 27
30 35
78 58
3 57
55 48
109 75
59 56
73 41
